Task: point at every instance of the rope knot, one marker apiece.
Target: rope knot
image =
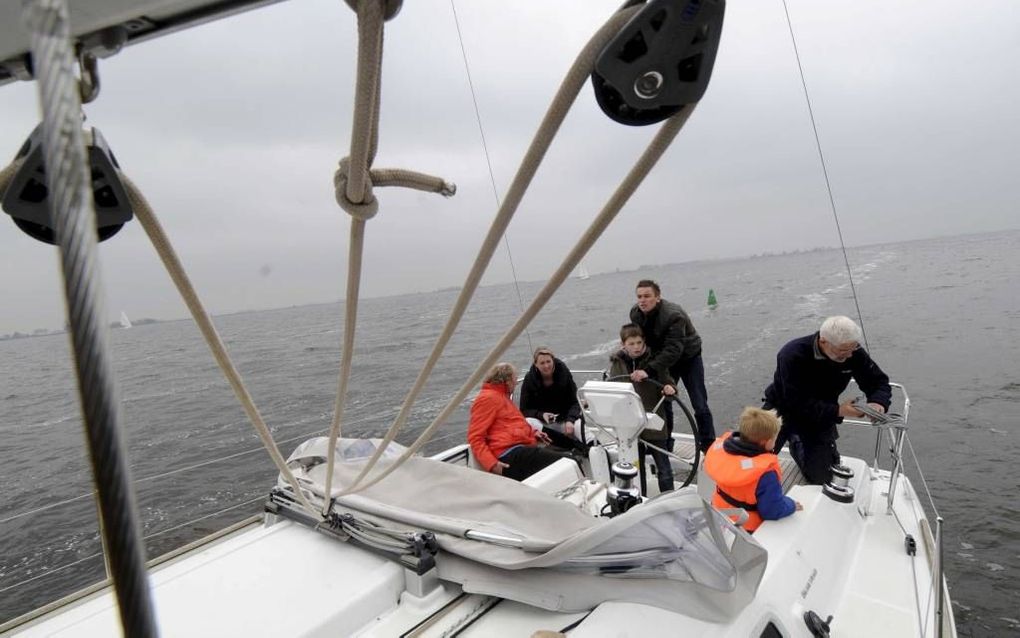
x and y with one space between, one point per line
365 210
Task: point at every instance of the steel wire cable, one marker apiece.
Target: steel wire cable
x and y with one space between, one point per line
56 570
71 207
488 162
825 174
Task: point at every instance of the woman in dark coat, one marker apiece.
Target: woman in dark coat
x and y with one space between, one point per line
549 399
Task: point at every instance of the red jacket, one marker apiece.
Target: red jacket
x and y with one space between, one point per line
496 425
737 477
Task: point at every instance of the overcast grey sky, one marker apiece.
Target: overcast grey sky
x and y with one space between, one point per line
233 130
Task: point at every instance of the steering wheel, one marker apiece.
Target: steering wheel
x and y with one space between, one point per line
692 426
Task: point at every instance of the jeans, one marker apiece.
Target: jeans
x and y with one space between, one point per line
663 468
815 458
692 373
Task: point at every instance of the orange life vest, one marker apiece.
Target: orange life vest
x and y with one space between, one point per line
736 479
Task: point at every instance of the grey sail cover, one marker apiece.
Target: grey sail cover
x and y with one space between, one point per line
674 551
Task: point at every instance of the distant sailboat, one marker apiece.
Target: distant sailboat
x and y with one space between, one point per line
124 321
582 272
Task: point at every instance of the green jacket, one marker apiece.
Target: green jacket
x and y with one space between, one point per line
622 364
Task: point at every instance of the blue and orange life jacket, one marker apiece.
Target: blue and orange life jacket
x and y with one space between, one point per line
736 479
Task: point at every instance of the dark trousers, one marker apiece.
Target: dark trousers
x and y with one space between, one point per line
692 373
663 468
525 460
815 457
564 442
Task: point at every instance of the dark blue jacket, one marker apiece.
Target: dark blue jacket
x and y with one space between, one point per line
772 503
807 384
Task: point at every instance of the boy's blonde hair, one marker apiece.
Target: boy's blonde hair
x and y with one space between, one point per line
758 426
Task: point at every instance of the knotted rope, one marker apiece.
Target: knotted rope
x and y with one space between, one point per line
354 181
572 84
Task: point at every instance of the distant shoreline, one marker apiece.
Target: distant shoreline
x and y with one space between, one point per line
45 332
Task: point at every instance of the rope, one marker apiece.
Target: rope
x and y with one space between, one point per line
356 188
73 215
354 181
488 162
7 174
576 78
825 173
160 241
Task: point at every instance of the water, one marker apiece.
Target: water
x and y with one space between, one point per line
940 317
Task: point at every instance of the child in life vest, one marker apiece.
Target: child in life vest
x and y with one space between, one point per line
746 473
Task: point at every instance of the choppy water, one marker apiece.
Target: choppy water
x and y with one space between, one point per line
940 317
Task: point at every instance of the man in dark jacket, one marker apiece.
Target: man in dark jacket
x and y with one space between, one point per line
676 347
811 373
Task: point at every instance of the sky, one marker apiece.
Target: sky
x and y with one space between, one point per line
233 129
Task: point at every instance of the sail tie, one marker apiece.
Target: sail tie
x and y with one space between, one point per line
367 207
404 178
354 181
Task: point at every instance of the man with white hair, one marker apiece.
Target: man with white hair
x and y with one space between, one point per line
811 373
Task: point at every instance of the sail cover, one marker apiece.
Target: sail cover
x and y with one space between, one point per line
674 551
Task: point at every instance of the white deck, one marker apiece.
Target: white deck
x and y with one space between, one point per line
844 560
284 580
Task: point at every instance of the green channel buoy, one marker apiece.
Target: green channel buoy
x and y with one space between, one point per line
711 298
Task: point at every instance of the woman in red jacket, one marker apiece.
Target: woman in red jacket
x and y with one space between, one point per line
501 440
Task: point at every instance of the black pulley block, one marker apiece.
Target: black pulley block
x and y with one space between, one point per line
661 60
27 197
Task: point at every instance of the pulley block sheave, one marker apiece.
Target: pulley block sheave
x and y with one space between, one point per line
27 199
661 60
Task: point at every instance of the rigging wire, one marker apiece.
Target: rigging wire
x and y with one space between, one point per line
61 568
154 477
924 481
488 162
853 289
825 173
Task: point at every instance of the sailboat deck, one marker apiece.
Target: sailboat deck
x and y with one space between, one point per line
791 473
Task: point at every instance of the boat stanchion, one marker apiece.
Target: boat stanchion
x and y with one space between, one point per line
623 494
838 488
